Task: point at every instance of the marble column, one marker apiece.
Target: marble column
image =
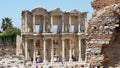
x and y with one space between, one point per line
26 49
80 49
52 49
51 30
34 53
26 27
69 23
62 23
79 24
70 51
34 23
44 24
22 25
85 23
63 50
44 50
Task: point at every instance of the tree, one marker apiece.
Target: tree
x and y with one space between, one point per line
10 32
6 23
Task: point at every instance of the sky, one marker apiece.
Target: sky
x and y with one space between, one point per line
13 8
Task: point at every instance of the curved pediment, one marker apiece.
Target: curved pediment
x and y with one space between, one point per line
74 11
39 11
83 14
56 11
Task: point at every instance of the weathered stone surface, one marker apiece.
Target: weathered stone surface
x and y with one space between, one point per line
53 37
103 34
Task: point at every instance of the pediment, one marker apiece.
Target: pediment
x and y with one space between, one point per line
74 11
39 11
56 11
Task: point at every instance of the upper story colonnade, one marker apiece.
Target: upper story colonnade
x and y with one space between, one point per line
42 21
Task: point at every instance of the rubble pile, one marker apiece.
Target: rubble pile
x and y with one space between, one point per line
6 51
103 44
10 62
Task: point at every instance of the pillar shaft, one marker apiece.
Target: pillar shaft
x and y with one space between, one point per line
69 23
63 51
34 53
80 48
51 30
70 51
33 23
26 49
44 24
44 50
52 49
26 27
79 24
85 25
62 23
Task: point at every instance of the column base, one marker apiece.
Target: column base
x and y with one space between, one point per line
80 60
52 61
44 61
70 60
26 58
33 65
34 62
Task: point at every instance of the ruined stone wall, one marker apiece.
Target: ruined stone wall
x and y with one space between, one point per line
98 4
103 43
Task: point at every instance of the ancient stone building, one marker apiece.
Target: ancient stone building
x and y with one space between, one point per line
103 44
54 36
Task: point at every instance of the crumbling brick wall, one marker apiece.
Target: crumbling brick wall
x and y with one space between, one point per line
103 45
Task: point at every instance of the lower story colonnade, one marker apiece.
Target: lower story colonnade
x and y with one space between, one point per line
54 49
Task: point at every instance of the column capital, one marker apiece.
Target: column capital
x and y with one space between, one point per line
70 16
51 15
26 39
63 39
79 37
44 39
52 39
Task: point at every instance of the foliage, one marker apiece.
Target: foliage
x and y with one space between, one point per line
6 23
12 31
9 32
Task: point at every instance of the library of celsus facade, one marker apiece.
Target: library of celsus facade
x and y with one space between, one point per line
53 36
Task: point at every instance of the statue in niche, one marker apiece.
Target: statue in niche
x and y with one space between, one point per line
48 27
66 28
30 29
40 28
82 27
59 28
